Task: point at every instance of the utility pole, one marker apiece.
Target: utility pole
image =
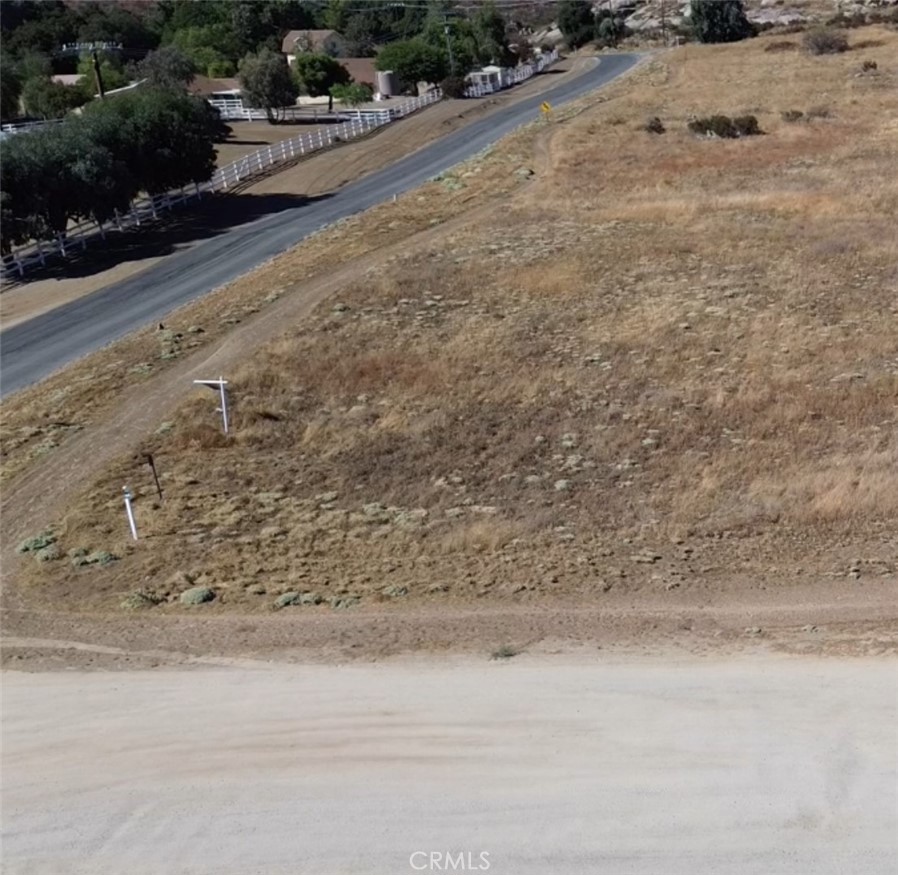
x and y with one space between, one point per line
449 47
92 49
98 76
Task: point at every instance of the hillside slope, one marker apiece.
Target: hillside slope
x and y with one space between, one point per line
666 371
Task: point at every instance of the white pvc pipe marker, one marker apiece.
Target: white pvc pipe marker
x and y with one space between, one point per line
130 511
224 403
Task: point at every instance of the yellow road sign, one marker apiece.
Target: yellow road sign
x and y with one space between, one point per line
546 107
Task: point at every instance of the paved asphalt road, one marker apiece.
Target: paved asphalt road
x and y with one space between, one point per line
35 349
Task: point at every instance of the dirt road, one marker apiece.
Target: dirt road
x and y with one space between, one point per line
547 765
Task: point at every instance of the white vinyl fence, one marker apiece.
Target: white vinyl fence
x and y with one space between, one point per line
18 127
356 123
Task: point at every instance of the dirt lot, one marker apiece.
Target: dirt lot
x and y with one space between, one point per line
661 374
596 763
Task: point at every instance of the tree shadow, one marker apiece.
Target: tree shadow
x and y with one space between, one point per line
173 230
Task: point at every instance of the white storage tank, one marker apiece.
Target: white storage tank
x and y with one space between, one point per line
387 83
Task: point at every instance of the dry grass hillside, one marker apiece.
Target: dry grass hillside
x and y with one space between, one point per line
669 366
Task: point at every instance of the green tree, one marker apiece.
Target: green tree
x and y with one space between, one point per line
335 15
208 44
719 21
109 22
221 69
577 22
366 26
465 49
252 25
19 13
20 186
33 65
168 67
413 61
44 33
99 182
10 90
491 36
360 36
454 88
610 28
166 139
58 174
181 15
352 94
318 74
267 83
44 98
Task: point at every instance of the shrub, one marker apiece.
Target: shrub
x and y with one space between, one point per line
200 436
140 599
725 127
793 115
576 21
887 17
38 542
856 19
286 600
654 126
720 21
868 66
610 29
782 46
506 651
818 112
48 554
823 41
44 98
221 69
197 595
746 126
353 94
715 125
453 87
795 27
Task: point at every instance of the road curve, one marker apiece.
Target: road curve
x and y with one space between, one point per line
32 350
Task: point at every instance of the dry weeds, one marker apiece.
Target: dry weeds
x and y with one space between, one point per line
672 364
38 420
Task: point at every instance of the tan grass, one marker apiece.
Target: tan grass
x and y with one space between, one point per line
668 339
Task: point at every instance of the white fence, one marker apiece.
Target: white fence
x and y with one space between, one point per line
513 75
357 123
231 109
18 127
